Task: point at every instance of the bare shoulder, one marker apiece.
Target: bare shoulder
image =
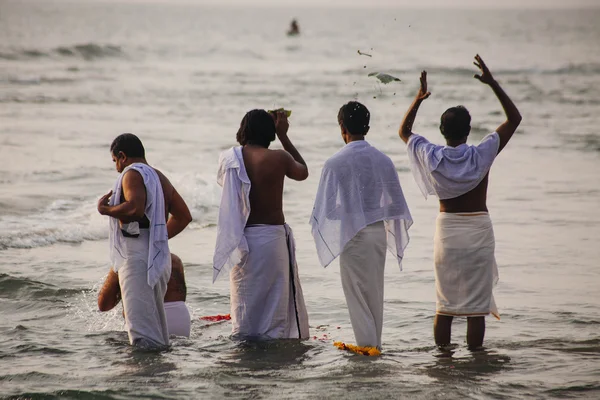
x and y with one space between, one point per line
132 177
281 156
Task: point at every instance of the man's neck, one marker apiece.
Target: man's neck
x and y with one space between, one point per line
354 138
456 142
136 160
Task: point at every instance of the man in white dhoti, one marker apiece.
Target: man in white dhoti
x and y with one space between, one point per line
176 311
465 266
359 211
139 207
253 241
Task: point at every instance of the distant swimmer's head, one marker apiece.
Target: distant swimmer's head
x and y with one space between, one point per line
354 120
455 123
126 149
257 128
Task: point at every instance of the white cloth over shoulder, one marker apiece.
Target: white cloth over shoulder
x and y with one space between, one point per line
159 256
465 265
266 296
449 172
234 210
359 186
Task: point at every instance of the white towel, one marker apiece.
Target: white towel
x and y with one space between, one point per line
359 186
266 296
465 265
450 172
234 210
159 256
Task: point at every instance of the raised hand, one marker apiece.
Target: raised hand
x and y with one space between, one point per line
486 76
423 93
281 124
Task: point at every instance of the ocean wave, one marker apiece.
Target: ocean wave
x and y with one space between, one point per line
24 288
569 69
86 51
38 80
77 220
64 220
513 74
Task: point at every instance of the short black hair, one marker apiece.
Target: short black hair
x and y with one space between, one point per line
455 123
355 118
129 144
257 127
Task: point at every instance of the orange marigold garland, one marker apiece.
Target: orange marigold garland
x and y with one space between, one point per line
366 351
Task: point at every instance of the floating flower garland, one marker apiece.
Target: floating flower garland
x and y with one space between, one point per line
365 351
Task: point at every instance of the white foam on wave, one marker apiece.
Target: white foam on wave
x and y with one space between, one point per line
64 220
77 220
84 308
201 193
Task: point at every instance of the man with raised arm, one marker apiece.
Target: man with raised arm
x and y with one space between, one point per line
360 211
253 241
145 211
465 265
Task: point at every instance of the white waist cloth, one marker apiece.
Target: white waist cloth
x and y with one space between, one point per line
158 259
361 267
145 318
178 318
448 172
266 295
465 266
359 186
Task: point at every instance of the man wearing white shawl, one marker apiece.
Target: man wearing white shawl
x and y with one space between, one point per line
464 244
359 211
139 206
254 244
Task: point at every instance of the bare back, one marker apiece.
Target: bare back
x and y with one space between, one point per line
266 170
167 191
474 200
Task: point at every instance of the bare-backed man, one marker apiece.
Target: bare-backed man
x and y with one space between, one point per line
145 211
464 244
253 240
176 311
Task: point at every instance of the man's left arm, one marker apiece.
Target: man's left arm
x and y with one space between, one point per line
180 215
407 123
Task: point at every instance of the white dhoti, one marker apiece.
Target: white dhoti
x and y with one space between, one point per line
266 295
178 318
145 318
362 264
465 265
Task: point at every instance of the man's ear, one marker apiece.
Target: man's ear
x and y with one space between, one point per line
122 155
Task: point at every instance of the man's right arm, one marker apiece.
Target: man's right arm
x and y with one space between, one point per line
407 123
513 117
296 168
110 293
133 208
